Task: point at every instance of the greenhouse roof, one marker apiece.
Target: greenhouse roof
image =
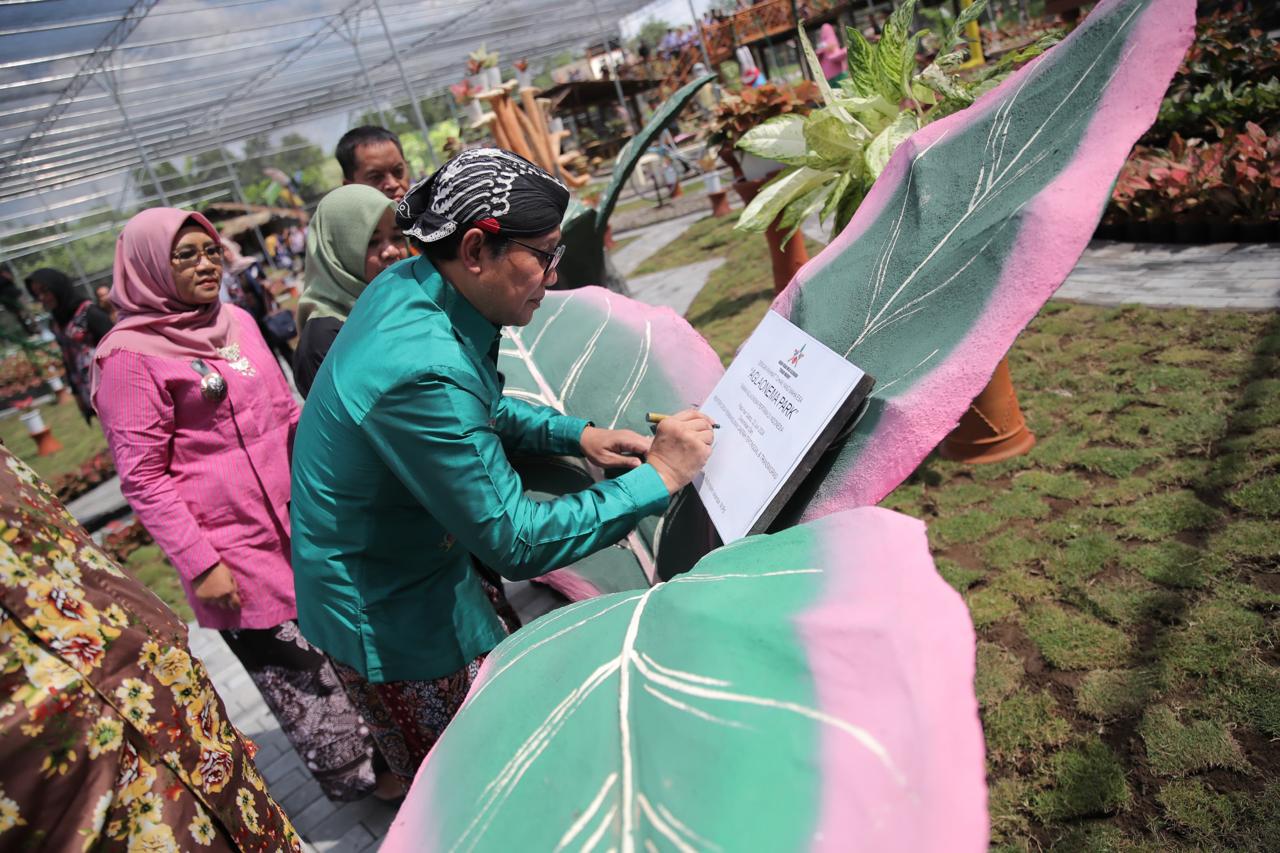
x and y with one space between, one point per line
85 88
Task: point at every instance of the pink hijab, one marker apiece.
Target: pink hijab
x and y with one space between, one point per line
152 319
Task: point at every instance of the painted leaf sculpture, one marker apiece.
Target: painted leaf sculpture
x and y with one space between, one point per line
600 356
973 224
808 689
582 227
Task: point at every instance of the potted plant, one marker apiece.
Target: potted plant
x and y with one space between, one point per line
524 76
30 415
737 114
486 65
464 94
835 152
476 76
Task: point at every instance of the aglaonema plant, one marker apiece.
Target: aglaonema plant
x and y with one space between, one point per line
835 153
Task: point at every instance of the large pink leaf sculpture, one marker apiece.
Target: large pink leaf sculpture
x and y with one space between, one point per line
974 223
811 689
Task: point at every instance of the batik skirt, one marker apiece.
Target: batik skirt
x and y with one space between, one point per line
408 717
305 694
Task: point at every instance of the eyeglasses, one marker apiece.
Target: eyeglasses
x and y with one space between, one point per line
553 258
188 256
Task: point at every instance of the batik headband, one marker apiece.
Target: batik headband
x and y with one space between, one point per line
495 190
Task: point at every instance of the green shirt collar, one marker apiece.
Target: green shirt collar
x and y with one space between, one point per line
470 324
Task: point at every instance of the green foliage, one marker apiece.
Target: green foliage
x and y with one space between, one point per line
1230 74
988 606
958 576
997 675
1215 637
836 152
1087 780
1023 722
1072 640
1260 497
1164 515
1175 749
1106 694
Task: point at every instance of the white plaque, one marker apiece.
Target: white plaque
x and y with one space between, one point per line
783 391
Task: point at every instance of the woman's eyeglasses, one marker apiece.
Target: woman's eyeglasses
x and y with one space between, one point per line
553 258
189 256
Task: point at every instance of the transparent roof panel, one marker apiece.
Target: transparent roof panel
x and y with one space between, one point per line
82 85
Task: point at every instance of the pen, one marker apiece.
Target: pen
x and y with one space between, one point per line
656 417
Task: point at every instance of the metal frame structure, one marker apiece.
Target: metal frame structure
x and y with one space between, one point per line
177 78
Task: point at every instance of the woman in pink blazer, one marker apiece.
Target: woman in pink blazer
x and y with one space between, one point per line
200 421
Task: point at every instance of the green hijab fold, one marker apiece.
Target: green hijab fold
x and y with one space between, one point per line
336 243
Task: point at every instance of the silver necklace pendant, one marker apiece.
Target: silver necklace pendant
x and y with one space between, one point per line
212 386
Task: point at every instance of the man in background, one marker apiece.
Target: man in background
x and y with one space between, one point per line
372 156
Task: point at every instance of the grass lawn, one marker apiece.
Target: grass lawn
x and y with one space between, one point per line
737 293
80 441
1123 577
148 564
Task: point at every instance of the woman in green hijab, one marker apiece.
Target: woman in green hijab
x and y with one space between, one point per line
352 238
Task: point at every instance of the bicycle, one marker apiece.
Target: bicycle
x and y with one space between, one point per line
661 168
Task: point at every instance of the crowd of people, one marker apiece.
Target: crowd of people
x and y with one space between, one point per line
351 550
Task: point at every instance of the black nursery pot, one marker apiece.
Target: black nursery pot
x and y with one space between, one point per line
1137 231
1191 231
1161 231
1254 232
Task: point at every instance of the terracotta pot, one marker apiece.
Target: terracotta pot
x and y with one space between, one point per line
720 203
787 258
992 429
731 160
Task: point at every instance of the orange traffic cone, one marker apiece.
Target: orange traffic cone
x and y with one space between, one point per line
993 428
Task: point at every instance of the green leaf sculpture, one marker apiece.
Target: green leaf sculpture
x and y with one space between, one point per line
808 689
598 355
976 219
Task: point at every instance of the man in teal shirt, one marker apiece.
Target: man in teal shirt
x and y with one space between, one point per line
400 469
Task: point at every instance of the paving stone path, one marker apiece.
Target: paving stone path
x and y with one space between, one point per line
1240 276
1219 276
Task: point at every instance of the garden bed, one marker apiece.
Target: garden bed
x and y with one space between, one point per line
1208 170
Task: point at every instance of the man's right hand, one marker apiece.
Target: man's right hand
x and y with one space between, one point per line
217 586
681 447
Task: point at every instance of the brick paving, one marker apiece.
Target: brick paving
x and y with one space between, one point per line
1241 277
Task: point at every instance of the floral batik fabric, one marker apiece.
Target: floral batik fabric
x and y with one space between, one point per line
408 717
304 693
111 734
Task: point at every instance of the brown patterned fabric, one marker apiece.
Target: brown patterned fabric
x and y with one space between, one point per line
408 717
111 734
